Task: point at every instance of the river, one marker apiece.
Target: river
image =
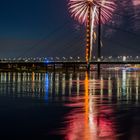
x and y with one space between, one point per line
70 106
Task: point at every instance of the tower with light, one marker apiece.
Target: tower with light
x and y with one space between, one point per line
91 13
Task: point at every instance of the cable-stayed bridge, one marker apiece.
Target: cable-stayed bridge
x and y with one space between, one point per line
64 63
68 41
75 46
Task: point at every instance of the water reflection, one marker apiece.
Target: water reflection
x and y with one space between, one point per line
126 85
92 102
88 120
46 87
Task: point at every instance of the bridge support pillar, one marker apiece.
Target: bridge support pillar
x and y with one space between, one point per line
64 66
54 67
88 67
74 67
99 69
46 67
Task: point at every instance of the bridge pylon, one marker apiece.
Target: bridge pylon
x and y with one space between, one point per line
89 38
99 41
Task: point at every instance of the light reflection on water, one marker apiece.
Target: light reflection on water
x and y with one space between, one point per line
61 84
92 121
93 102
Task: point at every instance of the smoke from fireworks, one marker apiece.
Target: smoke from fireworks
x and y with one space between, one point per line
79 9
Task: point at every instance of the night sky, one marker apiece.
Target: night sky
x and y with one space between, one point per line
44 28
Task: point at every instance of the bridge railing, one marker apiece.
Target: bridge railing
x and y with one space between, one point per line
69 59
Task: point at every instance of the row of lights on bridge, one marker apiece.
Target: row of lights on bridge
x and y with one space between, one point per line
66 58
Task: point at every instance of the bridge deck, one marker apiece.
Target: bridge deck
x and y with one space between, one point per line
68 62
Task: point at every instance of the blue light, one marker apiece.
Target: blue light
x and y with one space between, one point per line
46 87
124 82
47 62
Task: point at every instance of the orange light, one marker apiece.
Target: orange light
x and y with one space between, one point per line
86 106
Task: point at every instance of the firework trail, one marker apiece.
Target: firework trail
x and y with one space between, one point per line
92 26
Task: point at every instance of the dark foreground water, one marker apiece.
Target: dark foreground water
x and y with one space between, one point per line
70 106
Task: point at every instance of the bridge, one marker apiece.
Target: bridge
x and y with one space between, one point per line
65 37
67 62
51 63
78 60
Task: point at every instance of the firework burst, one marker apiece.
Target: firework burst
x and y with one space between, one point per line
79 9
